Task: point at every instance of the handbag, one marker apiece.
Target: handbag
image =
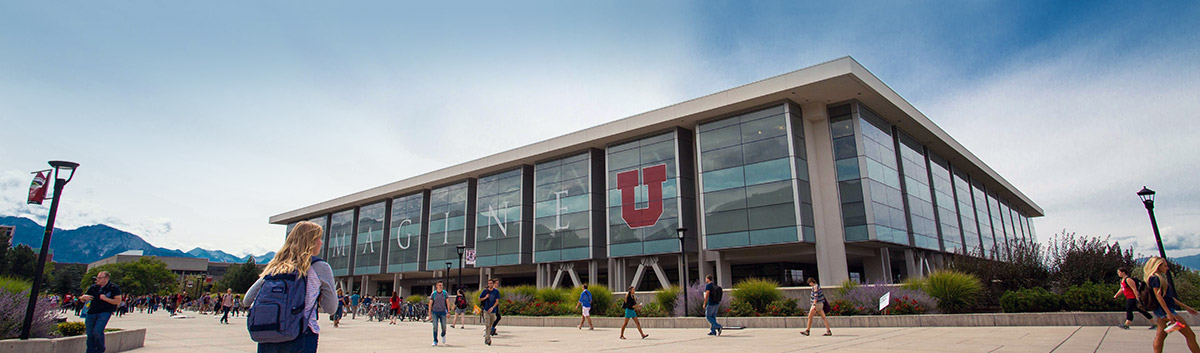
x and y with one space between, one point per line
825 307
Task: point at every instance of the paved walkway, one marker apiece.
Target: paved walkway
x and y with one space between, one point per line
205 334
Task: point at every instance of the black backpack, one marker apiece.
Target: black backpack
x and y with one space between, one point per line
717 294
1141 285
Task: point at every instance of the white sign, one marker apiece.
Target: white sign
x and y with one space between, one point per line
885 300
469 256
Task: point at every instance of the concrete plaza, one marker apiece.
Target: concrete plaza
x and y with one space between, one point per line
205 334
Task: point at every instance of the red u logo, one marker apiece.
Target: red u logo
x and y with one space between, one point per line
627 181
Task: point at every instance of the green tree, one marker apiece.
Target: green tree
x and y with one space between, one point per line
239 277
5 253
22 262
65 278
147 275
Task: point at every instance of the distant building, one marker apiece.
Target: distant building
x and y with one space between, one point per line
181 266
7 231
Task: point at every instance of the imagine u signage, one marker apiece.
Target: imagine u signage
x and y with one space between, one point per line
653 177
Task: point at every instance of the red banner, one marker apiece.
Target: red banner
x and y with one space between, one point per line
37 189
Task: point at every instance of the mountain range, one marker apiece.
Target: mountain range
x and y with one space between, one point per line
90 243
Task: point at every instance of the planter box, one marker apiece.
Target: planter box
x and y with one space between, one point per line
116 341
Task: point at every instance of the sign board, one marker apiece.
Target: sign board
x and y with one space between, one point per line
885 300
469 257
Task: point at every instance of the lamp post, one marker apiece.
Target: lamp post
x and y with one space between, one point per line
59 183
1147 196
683 257
448 263
460 249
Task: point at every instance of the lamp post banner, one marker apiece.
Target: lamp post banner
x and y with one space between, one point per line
469 256
37 189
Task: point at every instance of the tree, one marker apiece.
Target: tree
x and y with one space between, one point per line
5 253
22 262
147 275
66 278
239 277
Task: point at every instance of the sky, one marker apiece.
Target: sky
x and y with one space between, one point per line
195 122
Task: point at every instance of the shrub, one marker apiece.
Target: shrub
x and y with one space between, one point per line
866 298
1030 300
783 307
695 295
614 309
757 292
955 291
553 294
537 307
904 305
602 298
652 310
12 315
666 298
739 307
842 307
525 292
415 298
74 328
914 283
1078 260
14 285
1091 297
473 299
846 286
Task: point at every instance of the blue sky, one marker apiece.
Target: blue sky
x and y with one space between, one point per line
194 122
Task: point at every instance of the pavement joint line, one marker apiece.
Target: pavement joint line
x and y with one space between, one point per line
1066 339
901 330
1102 339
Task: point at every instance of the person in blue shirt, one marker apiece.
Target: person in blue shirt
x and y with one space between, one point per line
585 301
712 301
489 298
1165 303
354 305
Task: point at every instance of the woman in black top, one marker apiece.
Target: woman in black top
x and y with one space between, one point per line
631 305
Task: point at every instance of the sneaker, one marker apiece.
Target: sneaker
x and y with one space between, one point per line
451 325
719 330
1175 326
435 343
714 333
443 339
1123 326
1153 326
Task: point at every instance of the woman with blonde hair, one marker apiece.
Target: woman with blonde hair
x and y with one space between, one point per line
298 256
1165 302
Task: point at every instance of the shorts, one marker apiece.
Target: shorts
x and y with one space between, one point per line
630 313
587 311
1159 313
460 310
394 310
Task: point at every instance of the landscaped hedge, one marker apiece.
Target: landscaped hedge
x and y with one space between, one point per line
1092 297
1031 300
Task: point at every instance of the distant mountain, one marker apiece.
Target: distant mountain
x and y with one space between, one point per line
90 243
1192 262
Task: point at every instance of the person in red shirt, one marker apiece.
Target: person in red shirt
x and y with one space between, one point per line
395 307
1130 293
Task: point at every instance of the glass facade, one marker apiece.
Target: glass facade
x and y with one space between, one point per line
643 195
943 196
406 234
368 246
868 180
337 250
323 222
563 210
984 217
501 219
747 183
921 216
997 226
968 214
448 228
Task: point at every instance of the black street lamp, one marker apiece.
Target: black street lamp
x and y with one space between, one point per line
460 249
683 256
1147 196
59 183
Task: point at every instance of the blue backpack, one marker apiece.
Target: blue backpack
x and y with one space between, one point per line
277 314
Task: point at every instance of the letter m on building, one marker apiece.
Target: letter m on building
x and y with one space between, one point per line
653 177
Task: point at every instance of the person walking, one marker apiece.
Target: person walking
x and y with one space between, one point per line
631 305
460 309
298 255
1129 290
104 297
342 303
585 304
226 305
712 302
818 306
395 307
489 298
439 304
354 299
1165 302
496 293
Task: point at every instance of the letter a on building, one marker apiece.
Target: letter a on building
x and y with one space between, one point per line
653 177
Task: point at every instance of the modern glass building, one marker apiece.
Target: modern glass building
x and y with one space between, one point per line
822 172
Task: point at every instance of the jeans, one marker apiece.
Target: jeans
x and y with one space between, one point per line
306 342
94 327
710 313
438 317
225 319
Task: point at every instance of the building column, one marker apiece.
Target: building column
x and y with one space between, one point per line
593 272
701 265
912 264
724 273
831 240
396 282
